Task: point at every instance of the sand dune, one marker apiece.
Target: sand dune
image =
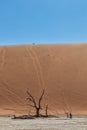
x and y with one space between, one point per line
60 69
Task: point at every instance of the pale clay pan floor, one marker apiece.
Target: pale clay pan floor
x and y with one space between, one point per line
6 123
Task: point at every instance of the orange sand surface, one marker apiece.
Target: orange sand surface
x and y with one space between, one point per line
60 69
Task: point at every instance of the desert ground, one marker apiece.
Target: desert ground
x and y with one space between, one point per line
59 69
6 123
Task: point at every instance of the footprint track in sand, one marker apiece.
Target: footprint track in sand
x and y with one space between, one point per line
2 58
31 52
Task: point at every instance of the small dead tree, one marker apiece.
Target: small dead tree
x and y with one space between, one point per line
33 103
46 111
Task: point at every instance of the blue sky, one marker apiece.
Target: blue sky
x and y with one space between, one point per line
43 21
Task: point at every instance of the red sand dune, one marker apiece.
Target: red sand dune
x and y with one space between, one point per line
60 69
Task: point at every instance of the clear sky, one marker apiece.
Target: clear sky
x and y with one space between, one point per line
43 21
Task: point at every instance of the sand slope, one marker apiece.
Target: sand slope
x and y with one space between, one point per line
60 69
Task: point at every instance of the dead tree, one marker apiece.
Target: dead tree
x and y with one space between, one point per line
46 111
70 115
32 102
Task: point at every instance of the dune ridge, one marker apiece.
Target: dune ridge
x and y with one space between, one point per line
60 69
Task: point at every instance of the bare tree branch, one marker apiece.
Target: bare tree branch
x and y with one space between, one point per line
31 98
40 99
37 107
31 105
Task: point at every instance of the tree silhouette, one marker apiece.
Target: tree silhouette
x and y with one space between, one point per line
46 111
32 102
